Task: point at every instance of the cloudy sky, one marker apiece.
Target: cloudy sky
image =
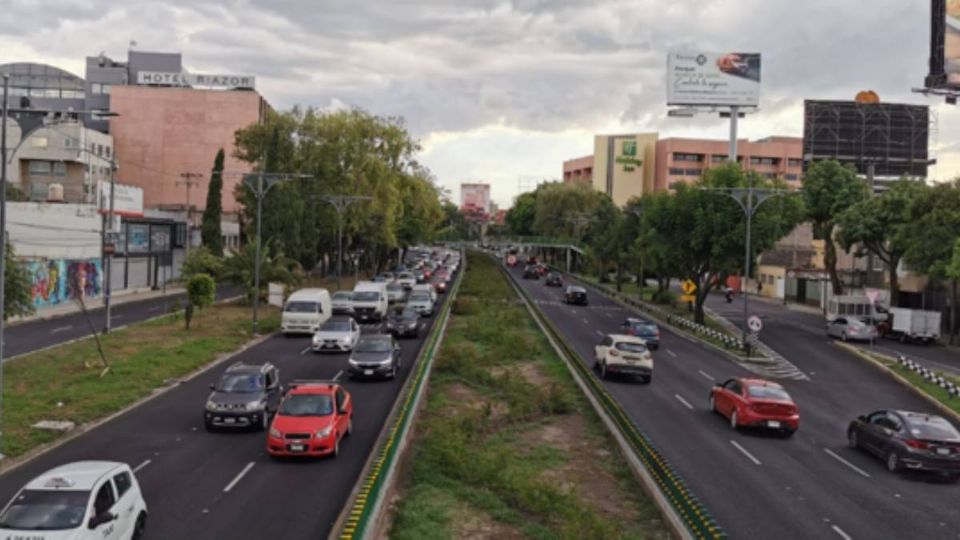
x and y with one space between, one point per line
504 91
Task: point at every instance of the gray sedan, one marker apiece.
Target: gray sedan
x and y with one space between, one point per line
851 328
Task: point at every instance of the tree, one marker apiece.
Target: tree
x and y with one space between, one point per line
240 268
879 223
829 189
201 290
17 300
15 194
560 208
210 228
201 261
520 217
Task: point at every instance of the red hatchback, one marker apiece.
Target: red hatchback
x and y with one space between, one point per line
312 419
755 403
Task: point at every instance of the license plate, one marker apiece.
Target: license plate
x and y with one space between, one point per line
943 451
773 424
229 420
368 372
296 447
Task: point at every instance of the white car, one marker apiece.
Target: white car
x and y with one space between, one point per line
427 288
421 302
395 293
623 354
339 334
407 280
85 500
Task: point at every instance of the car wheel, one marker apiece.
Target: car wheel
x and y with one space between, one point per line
893 462
713 404
852 440
733 419
843 336
140 527
648 379
603 370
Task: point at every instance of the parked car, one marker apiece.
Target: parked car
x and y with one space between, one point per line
575 295
395 293
420 302
909 440
312 420
851 328
644 329
84 500
339 334
244 397
305 311
407 280
376 355
530 271
404 323
343 303
755 403
623 355
554 279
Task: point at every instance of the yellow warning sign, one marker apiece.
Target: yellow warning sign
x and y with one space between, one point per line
688 287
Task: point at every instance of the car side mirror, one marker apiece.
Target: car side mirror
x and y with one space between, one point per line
100 519
213 386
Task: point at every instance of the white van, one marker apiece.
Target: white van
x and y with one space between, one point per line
427 288
305 311
370 301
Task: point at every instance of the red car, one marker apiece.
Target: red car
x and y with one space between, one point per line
755 403
311 421
439 284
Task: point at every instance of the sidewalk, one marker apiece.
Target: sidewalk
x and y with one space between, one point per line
124 296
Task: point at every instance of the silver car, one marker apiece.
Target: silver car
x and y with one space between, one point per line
421 302
395 293
342 303
851 328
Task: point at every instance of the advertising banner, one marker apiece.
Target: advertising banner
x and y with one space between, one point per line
951 42
127 202
713 79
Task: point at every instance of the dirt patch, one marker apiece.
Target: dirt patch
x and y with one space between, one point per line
461 397
530 371
474 525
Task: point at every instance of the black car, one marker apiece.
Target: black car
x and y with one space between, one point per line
404 323
575 295
643 329
909 441
531 271
244 397
554 280
376 355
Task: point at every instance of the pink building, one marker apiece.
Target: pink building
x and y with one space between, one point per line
578 170
684 160
476 196
163 132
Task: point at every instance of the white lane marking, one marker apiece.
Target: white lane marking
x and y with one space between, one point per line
744 451
337 376
839 531
304 351
155 308
142 465
705 374
608 314
599 333
61 329
837 457
239 477
671 353
585 321
685 402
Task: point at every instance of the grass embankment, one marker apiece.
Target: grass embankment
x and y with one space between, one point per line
64 383
507 446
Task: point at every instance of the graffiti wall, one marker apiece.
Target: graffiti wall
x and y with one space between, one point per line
56 281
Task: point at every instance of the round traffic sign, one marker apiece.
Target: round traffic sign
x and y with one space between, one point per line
754 324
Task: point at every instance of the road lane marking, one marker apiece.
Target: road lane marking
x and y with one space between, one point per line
304 351
337 376
744 451
839 531
673 354
155 308
599 333
705 374
837 457
61 329
142 465
685 402
585 321
239 477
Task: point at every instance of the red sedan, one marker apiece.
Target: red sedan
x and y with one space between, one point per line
755 403
312 419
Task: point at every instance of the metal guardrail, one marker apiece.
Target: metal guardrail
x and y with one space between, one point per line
696 518
366 504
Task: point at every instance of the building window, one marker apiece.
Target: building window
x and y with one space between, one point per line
678 156
59 168
106 151
676 172
96 89
180 235
791 177
100 150
759 160
794 162
770 175
105 89
692 172
717 158
39 168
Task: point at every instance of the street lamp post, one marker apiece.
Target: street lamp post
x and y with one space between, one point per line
340 203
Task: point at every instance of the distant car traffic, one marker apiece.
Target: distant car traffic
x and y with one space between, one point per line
531 272
85 500
338 334
909 441
623 355
439 284
643 329
244 397
575 295
312 420
554 279
404 323
385 277
376 355
395 293
427 288
851 328
343 303
755 403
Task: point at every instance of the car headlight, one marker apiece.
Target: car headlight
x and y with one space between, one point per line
346 339
353 362
325 432
255 405
211 406
386 362
412 325
276 433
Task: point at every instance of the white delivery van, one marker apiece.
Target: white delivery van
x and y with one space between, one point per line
305 311
915 325
370 301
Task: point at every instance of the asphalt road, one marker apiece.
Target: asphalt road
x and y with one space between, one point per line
30 336
757 485
184 471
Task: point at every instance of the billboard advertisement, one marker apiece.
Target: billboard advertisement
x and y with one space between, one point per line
951 42
127 202
713 79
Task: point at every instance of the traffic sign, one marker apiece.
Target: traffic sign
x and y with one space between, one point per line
109 249
688 298
873 294
688 287
754 324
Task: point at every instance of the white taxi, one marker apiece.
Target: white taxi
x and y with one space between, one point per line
78 501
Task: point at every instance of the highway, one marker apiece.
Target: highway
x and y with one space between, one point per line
757 485
222 485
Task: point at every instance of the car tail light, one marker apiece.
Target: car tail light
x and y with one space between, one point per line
613 352
918 444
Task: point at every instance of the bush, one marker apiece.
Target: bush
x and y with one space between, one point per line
201 290
202 261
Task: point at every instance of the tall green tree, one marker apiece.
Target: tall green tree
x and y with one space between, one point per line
210 227
564 209
240 267
520 217
17 300
829 189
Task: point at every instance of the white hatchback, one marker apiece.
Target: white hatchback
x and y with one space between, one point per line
78 501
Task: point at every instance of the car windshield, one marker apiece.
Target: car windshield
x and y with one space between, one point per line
643 327
373 345
335 326
394 287
342 296
768 392
240 382
420 297
406 275
307 405
366 296
46 510
301 307
933 428
631 347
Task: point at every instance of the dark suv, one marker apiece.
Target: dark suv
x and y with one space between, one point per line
643 329
575 295
531 271
245 396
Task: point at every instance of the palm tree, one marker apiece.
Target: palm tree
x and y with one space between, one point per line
239 268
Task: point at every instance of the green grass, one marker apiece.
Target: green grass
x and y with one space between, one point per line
917 380
476 451
65 383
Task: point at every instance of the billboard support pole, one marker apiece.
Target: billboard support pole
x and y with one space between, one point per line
734 114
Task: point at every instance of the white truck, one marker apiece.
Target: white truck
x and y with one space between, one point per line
370 303
914 325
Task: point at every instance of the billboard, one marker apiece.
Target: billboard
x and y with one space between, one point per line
713 79
951 42
127 202
475 196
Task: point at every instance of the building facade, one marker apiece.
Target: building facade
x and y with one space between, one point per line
624 165
475 196
684 160
578 170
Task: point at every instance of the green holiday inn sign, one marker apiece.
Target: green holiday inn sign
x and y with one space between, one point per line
628 156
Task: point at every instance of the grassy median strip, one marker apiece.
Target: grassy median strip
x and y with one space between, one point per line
507 446
917 380
65 384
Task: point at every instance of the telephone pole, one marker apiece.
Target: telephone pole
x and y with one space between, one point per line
190 179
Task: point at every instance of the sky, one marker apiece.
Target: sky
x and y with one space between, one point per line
505 91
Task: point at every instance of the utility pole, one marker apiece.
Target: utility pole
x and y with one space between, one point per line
3 241
340 203
190 179
108 271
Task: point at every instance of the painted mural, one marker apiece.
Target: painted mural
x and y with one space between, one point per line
57 281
